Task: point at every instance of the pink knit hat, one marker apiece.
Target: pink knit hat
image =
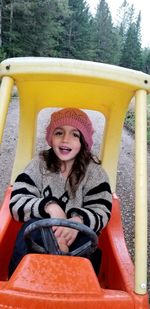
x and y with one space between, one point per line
73 117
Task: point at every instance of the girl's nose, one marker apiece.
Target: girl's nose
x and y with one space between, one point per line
65 137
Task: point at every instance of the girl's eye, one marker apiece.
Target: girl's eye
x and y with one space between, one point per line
58 133
76 134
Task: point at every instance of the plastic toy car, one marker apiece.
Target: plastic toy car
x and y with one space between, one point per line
38 281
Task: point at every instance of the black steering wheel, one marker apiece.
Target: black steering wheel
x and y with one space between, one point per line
50 244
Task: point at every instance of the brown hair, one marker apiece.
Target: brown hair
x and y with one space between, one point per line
79 167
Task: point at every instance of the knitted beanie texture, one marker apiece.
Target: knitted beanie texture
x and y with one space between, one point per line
72 117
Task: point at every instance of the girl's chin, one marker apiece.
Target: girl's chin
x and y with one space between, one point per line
64 154
65 158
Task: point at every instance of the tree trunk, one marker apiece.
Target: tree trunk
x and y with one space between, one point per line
1 7
11 23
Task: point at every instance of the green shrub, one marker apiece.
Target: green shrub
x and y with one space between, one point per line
148 135
130 120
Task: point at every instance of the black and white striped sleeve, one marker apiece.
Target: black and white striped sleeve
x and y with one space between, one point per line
97 200
26 202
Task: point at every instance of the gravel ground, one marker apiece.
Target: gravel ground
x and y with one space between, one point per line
125 183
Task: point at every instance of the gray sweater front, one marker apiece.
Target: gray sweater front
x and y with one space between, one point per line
36 186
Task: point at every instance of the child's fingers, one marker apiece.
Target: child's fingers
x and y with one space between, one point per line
70 237
67 235
58 231
62 244
69 242
54 228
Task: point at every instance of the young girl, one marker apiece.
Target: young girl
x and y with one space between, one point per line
63 182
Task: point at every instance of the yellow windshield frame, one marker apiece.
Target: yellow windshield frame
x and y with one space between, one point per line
52 82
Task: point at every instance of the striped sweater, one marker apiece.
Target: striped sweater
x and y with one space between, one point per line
35 187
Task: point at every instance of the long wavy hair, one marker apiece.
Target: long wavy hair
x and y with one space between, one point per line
79 167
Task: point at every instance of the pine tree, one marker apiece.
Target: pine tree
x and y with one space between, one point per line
76 40
31 28
106 40
125 16
147 63
132 52
2 52
146 60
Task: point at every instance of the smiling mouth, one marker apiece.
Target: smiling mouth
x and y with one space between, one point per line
64 149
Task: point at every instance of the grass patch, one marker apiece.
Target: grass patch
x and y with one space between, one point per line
130 120
148 120
148 100
148 135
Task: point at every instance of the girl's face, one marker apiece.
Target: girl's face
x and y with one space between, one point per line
66 143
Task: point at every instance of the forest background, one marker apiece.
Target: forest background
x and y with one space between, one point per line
67 29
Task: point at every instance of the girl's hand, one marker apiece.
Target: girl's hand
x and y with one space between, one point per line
55 211
65 236
62 245
65 233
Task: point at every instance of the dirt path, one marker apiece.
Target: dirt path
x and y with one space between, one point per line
125 183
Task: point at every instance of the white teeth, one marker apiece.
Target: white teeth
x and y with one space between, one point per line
65 148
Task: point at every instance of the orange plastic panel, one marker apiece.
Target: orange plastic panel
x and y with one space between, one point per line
46 281
8 231
59 282
117 270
